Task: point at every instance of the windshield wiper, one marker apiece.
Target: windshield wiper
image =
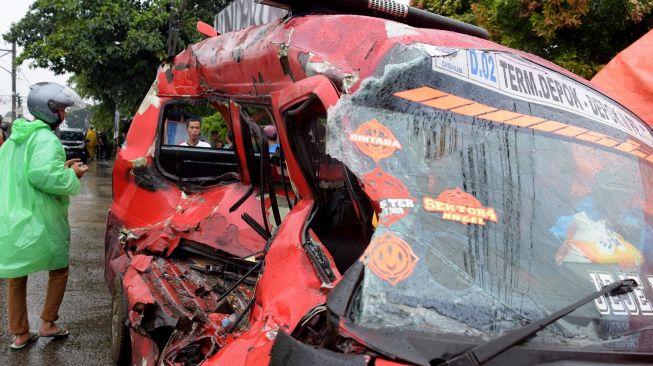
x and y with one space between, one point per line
485 352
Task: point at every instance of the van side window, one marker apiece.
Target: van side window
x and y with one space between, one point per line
267 163
195 145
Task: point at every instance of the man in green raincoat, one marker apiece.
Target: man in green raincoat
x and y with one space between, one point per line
34 193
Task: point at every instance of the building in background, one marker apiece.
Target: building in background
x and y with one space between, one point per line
241 14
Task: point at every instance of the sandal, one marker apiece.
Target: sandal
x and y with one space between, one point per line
60 333
32 338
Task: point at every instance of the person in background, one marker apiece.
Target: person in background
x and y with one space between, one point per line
122 139
34 190
4 133
271 133
216 142
103 145
91 142
194 130
230 138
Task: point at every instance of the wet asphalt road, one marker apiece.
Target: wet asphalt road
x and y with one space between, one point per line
87 304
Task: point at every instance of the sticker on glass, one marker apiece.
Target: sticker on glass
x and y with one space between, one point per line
458 205
520 78
390 258
633 303
591 241
375 140
391 193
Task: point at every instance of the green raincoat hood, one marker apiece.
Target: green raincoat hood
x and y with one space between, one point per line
22 129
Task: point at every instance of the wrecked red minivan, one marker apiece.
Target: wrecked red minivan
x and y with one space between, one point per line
434 198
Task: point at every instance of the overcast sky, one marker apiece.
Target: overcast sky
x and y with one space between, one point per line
25 75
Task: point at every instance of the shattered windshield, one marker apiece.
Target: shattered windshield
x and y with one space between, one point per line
498 204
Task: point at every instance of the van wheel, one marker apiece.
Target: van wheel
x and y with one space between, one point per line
120 339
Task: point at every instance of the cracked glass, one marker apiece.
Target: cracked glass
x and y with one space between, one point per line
495 212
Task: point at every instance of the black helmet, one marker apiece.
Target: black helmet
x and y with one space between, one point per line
45 99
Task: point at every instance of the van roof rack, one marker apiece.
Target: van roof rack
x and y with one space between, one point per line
387 9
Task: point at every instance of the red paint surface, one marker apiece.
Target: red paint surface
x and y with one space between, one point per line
236 62
141 262
382 362
144 350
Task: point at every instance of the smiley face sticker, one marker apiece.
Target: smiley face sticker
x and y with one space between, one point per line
390 258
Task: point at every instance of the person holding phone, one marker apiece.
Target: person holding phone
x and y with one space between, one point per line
34 190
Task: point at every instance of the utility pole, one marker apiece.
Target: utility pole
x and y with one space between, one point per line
13 81
19 106
13 78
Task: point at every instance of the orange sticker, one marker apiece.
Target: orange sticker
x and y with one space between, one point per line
390 258
391 194
375 140
445 101
458 205
590 241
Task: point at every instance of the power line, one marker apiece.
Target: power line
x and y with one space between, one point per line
19 69
13 78
25 76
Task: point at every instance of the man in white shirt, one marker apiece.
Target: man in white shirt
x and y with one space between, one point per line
194 129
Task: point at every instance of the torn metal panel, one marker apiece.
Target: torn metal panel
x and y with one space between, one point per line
315 65
395 29
195 219
138 295
148 178
115 259
144 350
182 77
283 55
141 263
182 296
273 50
288 351
151 99
190 347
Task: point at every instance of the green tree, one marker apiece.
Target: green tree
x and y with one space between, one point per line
213 124
112 47
579 35
456 9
